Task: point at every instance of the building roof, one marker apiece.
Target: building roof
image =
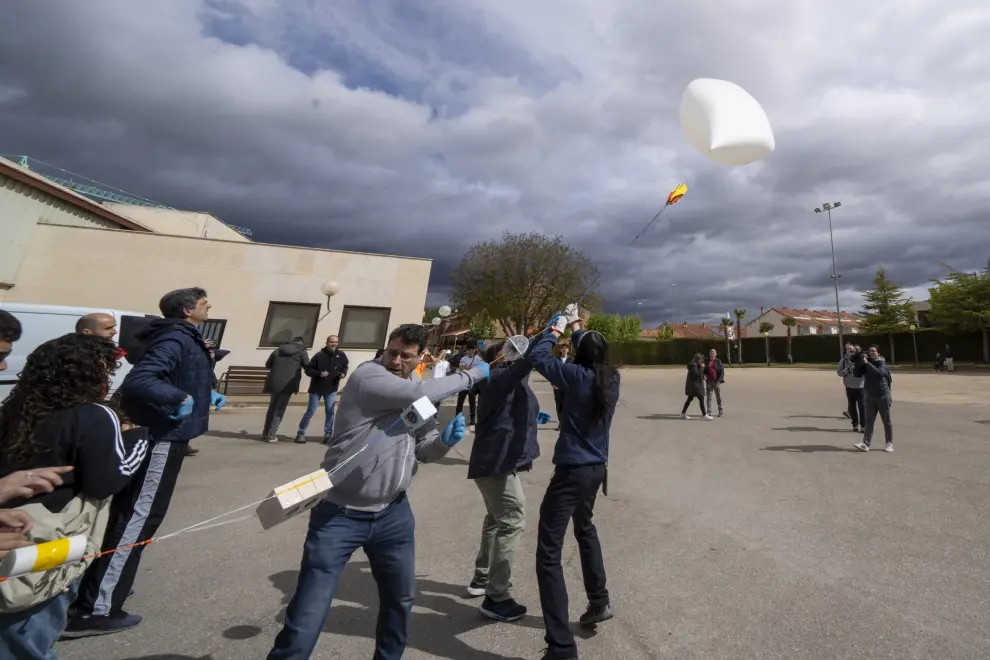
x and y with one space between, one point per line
38 182
813 316
692 331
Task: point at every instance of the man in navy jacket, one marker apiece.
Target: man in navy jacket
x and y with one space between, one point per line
170 391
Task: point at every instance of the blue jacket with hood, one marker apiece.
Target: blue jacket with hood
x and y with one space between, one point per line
174 364
505 435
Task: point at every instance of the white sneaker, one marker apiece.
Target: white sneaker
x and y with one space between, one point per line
862 446
889 448
684 416
708 417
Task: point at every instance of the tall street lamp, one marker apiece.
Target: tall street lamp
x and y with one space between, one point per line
914 340
835 276
673 308
766 341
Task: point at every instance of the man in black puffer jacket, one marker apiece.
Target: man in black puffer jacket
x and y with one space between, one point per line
325 371
505 445
169 390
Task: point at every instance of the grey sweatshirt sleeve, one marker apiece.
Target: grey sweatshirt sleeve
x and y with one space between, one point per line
842 370
381 390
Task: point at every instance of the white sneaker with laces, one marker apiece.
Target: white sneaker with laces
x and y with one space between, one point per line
862 446
684 416
889 448
708 417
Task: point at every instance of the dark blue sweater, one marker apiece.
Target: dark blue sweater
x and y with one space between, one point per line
876 377
505 436
175 363
581 442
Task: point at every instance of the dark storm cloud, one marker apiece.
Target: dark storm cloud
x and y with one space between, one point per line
382 127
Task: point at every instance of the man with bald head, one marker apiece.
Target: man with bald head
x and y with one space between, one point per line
97 324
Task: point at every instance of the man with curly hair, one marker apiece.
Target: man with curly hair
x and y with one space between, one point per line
170 391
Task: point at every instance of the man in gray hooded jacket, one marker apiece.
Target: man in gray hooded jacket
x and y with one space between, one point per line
367 506
854 388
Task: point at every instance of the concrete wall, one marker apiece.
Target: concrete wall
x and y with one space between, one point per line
179 223
131 270
24 207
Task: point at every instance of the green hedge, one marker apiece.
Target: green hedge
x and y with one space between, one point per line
806 348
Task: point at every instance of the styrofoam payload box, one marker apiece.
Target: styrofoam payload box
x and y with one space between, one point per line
293 498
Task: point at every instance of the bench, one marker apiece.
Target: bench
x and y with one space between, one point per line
248 375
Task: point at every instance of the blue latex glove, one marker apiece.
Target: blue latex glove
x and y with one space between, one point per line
484 369
553 320
543 417
454 432
217 400
481 345
183 410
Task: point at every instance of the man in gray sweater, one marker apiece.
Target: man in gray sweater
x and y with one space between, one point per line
367 506
854 388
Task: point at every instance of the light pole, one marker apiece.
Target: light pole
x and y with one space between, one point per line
835 276
766 341
673 308
914 340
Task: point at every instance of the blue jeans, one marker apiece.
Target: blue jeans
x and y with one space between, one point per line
314 403
31 634
388 539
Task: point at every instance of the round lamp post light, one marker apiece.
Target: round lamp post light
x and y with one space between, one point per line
329 289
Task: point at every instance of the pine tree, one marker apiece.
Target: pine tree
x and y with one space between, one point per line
885 309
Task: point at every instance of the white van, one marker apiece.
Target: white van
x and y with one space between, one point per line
43 322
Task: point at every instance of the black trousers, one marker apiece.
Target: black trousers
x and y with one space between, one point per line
277 403
857 413
692 397
558 402
570 496
472 397
135 515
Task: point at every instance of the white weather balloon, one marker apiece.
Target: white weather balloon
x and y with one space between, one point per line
444 311
722 121
436 320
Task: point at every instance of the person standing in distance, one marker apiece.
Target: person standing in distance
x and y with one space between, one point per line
580 457
694 387
714 379
285 366
854 389
169 391
564 352
466 363
325 371
877 398
367 507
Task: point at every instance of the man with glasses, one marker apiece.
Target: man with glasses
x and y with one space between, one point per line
367 506
854 388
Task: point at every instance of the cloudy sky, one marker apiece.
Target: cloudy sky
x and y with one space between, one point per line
420 127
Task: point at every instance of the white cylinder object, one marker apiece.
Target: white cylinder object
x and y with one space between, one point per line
43 557
722 121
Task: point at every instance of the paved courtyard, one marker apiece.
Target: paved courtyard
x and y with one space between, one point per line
757 535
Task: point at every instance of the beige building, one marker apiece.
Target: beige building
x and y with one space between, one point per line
809 322
60 248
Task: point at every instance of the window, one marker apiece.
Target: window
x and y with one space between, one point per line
287 320
364 327
213 329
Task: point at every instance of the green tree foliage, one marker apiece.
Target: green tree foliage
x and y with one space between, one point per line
482 327
726 323
615 327
429 314
885 309
665 332
522 279
765 326
961 303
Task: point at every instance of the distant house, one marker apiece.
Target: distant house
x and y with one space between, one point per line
923 314
809 322
695 331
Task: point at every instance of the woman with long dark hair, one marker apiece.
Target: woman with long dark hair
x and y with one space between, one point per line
505 446
57 415
694 386
590 388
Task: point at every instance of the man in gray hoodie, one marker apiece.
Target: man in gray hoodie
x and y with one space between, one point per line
367 506
854 388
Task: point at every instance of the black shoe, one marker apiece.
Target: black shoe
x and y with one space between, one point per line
506 610
80 626
596 614
551 655
326 440
191 451
300 439
477 588
845 413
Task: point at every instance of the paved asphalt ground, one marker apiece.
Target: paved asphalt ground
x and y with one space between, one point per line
757 535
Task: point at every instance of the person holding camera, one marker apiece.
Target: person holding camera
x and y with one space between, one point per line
872 368
854 387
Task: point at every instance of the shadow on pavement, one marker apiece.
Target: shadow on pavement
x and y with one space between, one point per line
815 417
434 633
662 416
813 429
808 449
983 421
172 656
452 460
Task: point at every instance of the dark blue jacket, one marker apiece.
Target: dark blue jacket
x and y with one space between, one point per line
876 377
505 436
580 442
175 363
